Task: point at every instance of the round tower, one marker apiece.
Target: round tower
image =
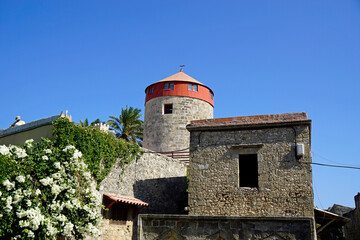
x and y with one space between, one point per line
170 105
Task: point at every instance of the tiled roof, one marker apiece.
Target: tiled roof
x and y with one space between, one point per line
182 77
125 199
248 120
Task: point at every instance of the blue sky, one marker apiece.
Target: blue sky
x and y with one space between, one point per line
259 57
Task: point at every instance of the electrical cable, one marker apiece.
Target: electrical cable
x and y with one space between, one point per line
330 165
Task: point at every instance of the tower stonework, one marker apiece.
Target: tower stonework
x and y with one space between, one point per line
170 105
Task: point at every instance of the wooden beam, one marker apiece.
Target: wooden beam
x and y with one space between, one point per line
323 227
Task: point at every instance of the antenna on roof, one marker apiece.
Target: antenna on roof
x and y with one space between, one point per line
182 66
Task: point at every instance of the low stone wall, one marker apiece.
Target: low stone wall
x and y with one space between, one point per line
181 227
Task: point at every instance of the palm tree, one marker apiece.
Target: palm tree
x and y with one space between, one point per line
128 125
84 123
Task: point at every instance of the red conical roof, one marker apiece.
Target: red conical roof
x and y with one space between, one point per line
180 77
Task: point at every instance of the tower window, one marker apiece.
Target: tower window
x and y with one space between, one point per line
169 86
151 90
248 170
193 87
168 108
211 95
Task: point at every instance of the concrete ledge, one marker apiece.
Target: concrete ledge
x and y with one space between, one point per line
28 126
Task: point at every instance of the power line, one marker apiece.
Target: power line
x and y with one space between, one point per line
339 166
318 155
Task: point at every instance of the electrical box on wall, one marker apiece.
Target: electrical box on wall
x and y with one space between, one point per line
300 150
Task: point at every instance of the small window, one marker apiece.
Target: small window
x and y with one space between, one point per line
168 108
193 87
169 86
151 90
248 170
211 95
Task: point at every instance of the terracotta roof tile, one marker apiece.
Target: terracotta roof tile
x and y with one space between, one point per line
245 120
182 77
125 199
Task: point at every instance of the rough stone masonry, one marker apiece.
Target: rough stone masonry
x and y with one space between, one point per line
284 180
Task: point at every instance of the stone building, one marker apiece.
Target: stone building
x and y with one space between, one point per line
261 163
249 178
170 105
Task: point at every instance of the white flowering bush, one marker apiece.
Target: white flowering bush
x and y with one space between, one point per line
45 192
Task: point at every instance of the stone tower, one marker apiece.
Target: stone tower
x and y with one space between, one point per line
170 105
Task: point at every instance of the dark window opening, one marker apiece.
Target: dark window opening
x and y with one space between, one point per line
168 108
248 170
169 86
117 211
151 90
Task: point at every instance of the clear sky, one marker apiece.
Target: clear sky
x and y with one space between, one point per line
259 57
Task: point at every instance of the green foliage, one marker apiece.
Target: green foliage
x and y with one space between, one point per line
128 125
100 149
85 123
45 192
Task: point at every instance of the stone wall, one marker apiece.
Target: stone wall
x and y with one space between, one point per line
284 182
352 229
153 178
167 132
177 227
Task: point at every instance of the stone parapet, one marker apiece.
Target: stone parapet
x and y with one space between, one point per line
183 227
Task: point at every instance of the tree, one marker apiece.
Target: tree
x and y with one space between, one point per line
128 125
85 123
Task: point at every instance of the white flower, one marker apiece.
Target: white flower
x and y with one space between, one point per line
92 230
4 150
0 194
29 141
18 196
1 215
55 189
56 175
57 165
68 229
69 205
77 154
28 203
8 206
51 230
27 192
87 175
20 178
30 234
48 151
37 192
9 185
45 158
24 223
21 153
70 147
46 181
61 218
